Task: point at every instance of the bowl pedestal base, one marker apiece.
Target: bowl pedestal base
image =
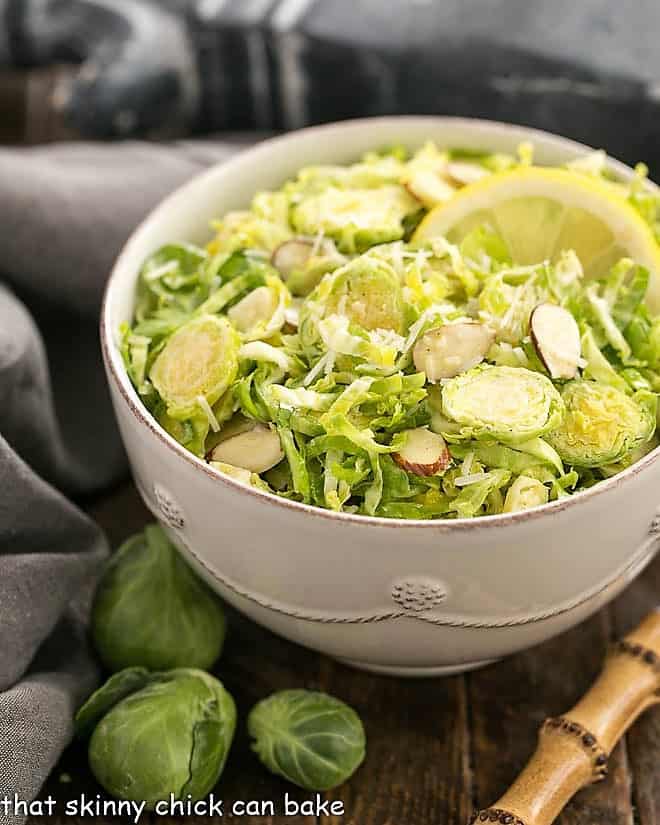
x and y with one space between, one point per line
417 672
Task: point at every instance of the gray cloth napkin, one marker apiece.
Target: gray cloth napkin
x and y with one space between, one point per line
66 210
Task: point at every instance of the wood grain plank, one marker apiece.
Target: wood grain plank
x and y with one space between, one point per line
643 739
511 699
417 770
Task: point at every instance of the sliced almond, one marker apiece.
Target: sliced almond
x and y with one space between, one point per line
429 188
556 337
257 449
449 350
292 317
463 173
424 453
259 305
294 254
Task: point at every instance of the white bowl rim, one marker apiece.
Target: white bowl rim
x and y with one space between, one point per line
115 366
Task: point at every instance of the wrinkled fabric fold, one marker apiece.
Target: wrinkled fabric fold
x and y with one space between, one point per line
66 211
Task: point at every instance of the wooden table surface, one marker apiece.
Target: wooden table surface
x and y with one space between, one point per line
436 748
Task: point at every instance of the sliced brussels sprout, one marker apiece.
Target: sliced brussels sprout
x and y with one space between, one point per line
200 360
247 230
355 218
510 404
525 492
169 737
309 738
451 349
423 453
132 625
630 458
601 426
358 310
556 338
368 293
256 449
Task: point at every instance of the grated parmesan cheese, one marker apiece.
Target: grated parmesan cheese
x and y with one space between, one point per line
208 412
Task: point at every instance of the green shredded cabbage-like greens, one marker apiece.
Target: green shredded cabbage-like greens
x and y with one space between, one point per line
318 339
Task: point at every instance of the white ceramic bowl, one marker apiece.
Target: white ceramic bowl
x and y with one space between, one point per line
395 596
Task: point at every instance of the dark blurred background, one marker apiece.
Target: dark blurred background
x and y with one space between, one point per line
108 69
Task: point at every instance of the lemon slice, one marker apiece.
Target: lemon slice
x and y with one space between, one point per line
541 212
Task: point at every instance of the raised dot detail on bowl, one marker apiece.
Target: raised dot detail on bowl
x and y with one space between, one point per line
417 594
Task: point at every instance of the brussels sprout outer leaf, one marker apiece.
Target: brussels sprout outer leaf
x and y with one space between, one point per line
151 610
118 687
144 748
212 739
309 738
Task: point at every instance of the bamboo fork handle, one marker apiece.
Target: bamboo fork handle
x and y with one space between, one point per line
573 749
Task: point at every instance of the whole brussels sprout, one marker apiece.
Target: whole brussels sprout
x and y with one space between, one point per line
151 610
309 738
156 734
602 425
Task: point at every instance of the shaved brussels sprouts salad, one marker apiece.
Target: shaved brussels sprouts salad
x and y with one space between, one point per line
324 348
